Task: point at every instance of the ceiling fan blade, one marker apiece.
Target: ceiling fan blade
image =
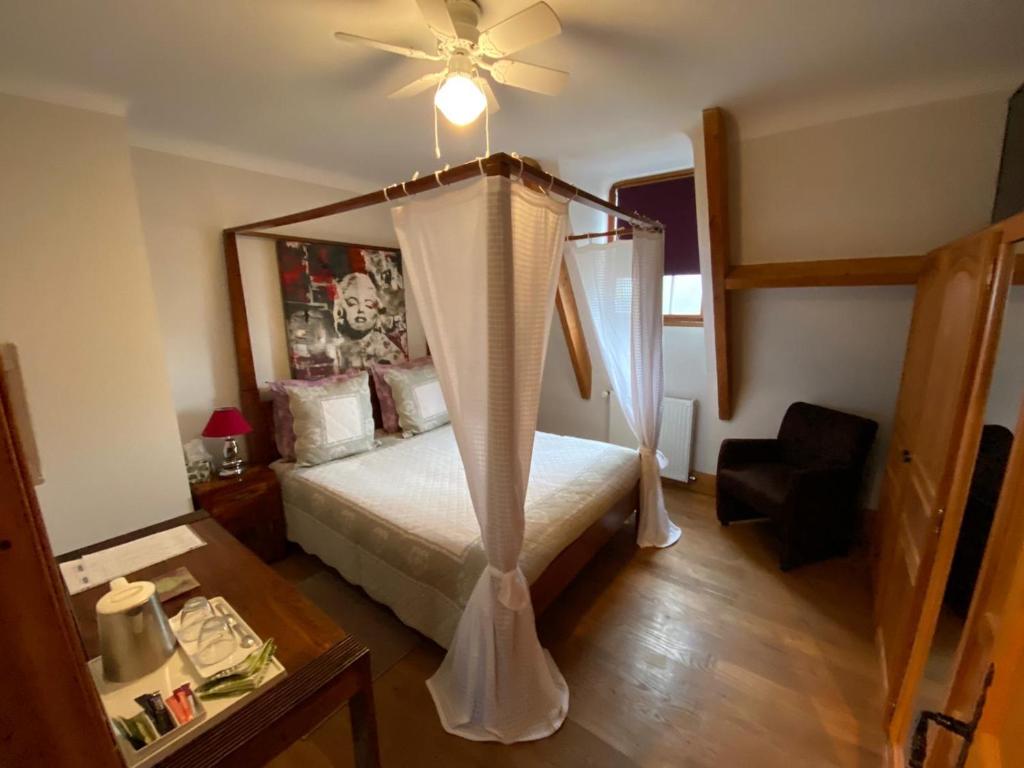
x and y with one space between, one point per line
435 13
418 86
401 50
492 100
529 26
530 77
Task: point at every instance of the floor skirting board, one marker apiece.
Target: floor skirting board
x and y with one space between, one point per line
702 483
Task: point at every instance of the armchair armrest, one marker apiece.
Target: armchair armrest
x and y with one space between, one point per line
735 452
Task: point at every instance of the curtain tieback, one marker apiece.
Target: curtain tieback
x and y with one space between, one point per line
647 453
513 591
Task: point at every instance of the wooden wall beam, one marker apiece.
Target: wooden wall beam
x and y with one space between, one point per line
884 270
569 314
716 171
894 270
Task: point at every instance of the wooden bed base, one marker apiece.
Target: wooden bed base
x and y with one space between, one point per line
572 559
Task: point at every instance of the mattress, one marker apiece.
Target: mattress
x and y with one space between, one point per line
398 520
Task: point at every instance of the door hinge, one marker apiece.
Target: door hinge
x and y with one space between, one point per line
940 515
964 729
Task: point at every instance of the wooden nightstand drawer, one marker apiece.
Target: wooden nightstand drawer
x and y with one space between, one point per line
249 508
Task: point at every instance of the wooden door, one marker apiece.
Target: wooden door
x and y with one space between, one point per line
994 635
937 427
50 713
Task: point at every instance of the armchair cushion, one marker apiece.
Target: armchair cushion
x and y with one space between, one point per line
734 452
762 486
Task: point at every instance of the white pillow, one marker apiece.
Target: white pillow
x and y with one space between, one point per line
418 399
331 420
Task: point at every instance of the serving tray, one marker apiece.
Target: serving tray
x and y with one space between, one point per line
119 701
190 648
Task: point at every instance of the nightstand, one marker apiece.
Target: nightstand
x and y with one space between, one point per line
249 507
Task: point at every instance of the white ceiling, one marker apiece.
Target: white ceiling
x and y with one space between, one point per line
262 82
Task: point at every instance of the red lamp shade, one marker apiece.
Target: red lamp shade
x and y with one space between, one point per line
226 422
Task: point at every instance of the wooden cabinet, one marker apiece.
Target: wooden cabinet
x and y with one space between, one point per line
249 507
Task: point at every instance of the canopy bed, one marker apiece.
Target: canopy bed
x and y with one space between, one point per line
467 529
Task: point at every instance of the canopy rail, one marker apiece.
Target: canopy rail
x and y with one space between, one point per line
499 164
289 236
620 232
259 441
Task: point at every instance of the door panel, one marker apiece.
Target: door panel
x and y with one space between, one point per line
937 427
994 634
50 713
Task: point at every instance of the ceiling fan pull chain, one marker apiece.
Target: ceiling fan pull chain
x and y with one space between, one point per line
437 140
487 131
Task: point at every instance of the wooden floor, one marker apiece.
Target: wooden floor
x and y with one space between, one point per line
701 655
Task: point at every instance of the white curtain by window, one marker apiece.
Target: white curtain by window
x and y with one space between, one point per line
483 262
622 281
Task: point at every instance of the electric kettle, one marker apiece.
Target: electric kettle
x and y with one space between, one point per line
135 637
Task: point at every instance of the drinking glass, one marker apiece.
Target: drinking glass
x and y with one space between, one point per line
216 641
195 611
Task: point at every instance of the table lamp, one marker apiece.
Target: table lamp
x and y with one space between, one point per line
228 423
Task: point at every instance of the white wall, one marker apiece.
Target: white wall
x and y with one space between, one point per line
884 184
76 298
897 182
185 204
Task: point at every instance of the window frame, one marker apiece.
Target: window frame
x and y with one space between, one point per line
677 321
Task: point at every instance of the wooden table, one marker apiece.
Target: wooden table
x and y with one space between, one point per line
326 667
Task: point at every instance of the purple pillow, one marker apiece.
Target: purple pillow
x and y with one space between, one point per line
388 412
284 427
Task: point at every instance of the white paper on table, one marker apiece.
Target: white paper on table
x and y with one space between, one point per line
101 567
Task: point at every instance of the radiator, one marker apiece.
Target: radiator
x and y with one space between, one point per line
676 433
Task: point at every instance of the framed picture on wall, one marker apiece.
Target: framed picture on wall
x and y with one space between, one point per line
344 306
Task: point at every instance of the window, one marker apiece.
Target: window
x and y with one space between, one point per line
681 296
670 198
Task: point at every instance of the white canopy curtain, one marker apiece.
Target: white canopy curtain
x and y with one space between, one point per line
483 261
622 281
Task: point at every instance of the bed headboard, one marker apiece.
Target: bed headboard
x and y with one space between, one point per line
267 410
256 405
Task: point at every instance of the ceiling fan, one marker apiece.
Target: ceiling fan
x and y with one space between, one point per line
461 92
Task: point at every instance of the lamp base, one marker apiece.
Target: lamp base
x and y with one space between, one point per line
236 470
232 465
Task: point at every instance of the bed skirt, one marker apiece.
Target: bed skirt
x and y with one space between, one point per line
417 605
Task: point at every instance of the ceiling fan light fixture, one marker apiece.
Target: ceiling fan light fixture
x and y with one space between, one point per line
460 99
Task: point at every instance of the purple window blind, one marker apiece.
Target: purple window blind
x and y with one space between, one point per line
673 202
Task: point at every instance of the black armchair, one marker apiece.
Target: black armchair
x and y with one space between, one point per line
807 481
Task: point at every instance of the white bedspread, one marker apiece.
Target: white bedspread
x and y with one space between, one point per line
398 520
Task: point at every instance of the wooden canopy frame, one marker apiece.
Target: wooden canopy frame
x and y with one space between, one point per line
260 445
